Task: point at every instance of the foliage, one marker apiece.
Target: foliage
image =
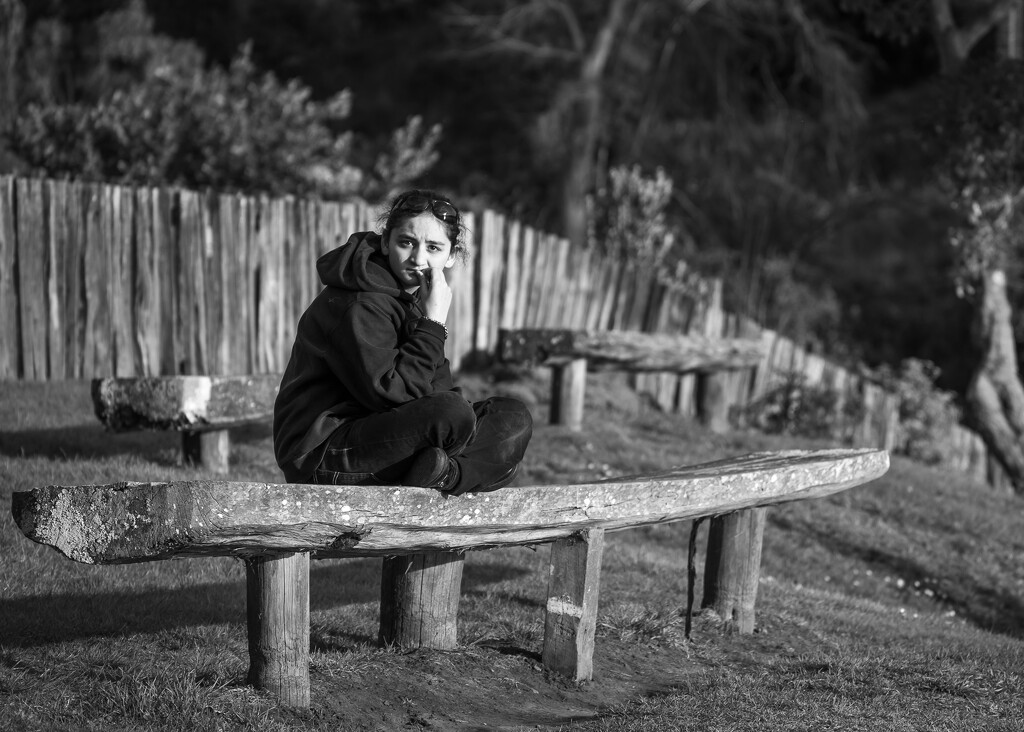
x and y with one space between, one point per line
927 413
968 128
230 130
792 406
627 217
411 153
156 114
900 20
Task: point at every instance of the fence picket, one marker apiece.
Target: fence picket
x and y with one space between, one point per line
73 236
32 264
55 278
511 277
526 274
10 342
148 283
165 243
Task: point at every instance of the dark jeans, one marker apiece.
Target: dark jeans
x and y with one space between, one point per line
486 438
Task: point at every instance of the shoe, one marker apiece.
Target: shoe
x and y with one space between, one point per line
432 468
501 482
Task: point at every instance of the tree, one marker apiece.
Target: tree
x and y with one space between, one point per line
967 123
148 109
570 129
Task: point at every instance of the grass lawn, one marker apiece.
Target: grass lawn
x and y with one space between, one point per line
898 605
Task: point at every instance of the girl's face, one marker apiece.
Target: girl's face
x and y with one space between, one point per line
416 244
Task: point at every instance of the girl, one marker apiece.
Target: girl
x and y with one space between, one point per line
367 397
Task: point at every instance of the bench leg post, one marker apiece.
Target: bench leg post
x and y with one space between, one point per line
733 567
712 401
208 449
568 390
571 619
419 600
277 609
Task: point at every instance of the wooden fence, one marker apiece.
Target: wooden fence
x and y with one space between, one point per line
100 280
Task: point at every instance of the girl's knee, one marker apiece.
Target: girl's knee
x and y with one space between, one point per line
451 411
510 417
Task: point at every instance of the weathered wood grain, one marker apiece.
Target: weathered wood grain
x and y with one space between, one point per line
130 522
629 350
9 342
277 614
32 289
190 403
732 568
570 620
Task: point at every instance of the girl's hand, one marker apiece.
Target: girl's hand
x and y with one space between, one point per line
435 295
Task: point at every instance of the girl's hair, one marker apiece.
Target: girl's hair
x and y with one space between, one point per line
412 203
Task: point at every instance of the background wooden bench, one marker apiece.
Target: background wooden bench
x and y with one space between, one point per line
422 533
571 353
202 408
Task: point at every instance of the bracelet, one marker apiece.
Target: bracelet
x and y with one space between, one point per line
439 323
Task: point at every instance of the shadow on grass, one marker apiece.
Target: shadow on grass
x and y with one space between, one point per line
56 618
95 442
979 604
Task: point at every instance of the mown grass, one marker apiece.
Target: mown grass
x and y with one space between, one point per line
898 605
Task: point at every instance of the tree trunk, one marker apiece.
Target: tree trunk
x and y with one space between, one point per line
585 114
995 395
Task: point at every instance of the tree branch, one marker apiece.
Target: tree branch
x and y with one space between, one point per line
955 43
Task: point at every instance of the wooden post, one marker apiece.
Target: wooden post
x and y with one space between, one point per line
568 389
277 609
571 620
733 567
419 600
712 402
207 448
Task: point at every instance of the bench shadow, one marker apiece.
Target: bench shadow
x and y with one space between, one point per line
87 441
991 610
57 617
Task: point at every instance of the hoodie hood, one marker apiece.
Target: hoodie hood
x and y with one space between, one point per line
359 266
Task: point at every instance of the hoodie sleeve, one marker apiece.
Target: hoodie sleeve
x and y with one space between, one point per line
364 353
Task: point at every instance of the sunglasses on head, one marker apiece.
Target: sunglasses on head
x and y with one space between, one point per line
419 202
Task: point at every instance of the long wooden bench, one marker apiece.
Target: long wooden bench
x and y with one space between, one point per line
571 353
202 408
422 533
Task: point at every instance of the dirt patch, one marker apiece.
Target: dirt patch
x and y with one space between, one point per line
480 688
494 688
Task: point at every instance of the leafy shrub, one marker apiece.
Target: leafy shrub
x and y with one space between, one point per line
628 216
154 113
794 407
927 413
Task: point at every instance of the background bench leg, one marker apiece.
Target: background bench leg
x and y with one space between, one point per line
571 619
208 449
419 600
733 567
568 389
712 402
277 609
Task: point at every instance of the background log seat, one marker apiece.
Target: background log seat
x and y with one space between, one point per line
202 408
277 528
571 353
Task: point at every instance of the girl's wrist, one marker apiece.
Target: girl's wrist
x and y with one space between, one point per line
437 322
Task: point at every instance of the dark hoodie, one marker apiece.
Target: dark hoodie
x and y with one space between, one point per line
362 347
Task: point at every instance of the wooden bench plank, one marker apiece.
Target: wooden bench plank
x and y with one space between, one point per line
184 403
131 522
629 350
202 408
